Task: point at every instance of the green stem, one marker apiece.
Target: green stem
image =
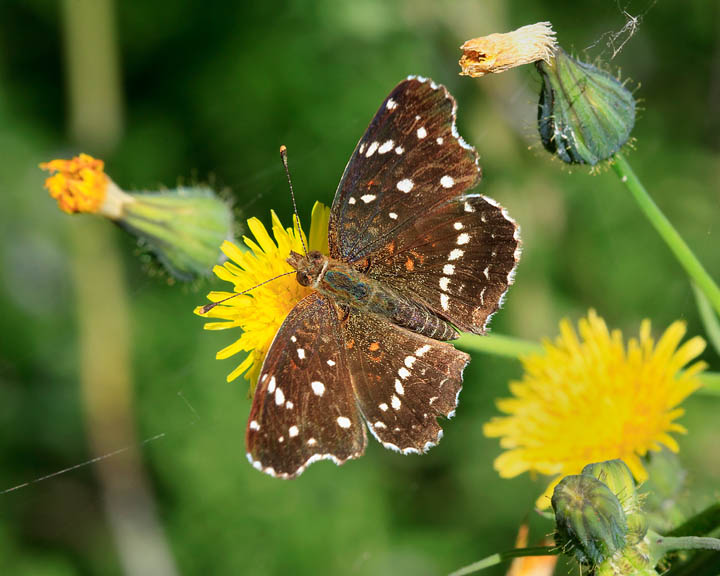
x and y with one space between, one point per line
682 252
711 384
660 546
702 523
501 557
516 348
710 320
499 345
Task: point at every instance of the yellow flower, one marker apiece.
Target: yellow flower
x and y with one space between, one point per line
261 312
79 184
589 399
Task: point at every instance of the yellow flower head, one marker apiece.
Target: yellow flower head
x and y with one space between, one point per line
261 312
79 184
590 399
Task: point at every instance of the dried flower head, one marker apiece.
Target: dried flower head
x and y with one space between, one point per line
498 52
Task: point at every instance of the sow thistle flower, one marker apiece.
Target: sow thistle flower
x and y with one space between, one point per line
183 227
589 399
261 312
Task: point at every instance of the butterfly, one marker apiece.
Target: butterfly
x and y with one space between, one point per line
413 258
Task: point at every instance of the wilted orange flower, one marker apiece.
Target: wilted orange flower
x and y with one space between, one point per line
498 52
78 184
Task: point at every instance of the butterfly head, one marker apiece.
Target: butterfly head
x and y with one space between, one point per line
310 268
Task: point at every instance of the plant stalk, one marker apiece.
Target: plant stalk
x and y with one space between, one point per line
501 557
667 231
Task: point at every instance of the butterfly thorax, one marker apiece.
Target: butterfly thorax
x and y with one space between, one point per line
351 287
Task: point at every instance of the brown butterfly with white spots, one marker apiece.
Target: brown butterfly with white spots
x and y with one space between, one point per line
413 258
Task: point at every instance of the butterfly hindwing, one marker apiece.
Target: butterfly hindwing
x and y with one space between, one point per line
410 159
403 381
458 260
304 409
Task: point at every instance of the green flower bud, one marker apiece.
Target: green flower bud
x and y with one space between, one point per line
183 227
589 519
585 115
617 476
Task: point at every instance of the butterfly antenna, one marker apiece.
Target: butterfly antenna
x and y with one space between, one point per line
208 307
283 157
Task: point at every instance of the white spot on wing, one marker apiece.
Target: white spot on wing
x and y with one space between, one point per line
399 150
293 339
444 301
271 385
367 198
449 269
405 185
379 424
383 407
458 226
439 140
351 200
455 254
371 149
301 353
464 238
386 147
391 104
468 207
396 403
331 362
318 388
444 283
289 405
422 350
447 181
393 215
311 442
279 397
293 431
486 272
254 425
421 133
409 361
403 373
343 422
399 387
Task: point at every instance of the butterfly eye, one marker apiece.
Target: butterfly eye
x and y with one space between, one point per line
315 256
303 278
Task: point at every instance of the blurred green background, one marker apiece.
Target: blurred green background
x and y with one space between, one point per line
207 91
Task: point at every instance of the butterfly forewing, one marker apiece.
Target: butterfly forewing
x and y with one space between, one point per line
458 260
409 160
304 409
403 381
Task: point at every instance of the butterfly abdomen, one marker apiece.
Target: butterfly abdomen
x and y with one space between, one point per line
351 287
